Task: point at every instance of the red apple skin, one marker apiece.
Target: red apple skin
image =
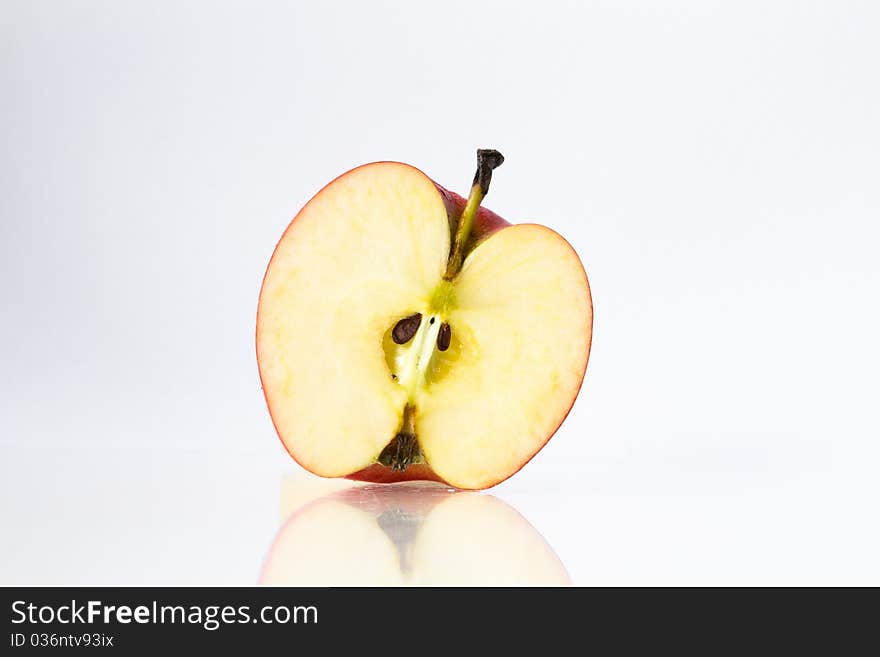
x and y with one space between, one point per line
382 474
486 223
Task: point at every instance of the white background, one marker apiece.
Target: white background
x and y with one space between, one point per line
715 164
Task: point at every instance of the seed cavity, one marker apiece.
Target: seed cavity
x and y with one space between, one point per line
406 328
444 336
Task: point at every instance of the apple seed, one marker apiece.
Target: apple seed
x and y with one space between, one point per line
406 328
444 336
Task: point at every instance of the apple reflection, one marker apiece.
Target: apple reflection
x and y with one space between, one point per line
417 534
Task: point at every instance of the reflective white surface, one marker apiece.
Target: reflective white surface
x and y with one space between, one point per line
414 534
715 165
149 516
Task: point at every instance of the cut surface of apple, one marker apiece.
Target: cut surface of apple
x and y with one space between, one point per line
403 333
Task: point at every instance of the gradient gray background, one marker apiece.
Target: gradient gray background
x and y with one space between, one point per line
715 164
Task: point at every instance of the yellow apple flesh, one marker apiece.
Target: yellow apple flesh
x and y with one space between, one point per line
372 249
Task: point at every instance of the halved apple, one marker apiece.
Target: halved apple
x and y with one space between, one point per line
405 333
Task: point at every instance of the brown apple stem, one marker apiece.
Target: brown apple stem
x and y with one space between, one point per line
487 161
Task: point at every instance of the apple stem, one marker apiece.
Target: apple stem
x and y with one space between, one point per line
487 161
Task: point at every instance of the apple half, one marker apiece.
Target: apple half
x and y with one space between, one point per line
404 332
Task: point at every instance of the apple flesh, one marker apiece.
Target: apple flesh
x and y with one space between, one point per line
404 332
